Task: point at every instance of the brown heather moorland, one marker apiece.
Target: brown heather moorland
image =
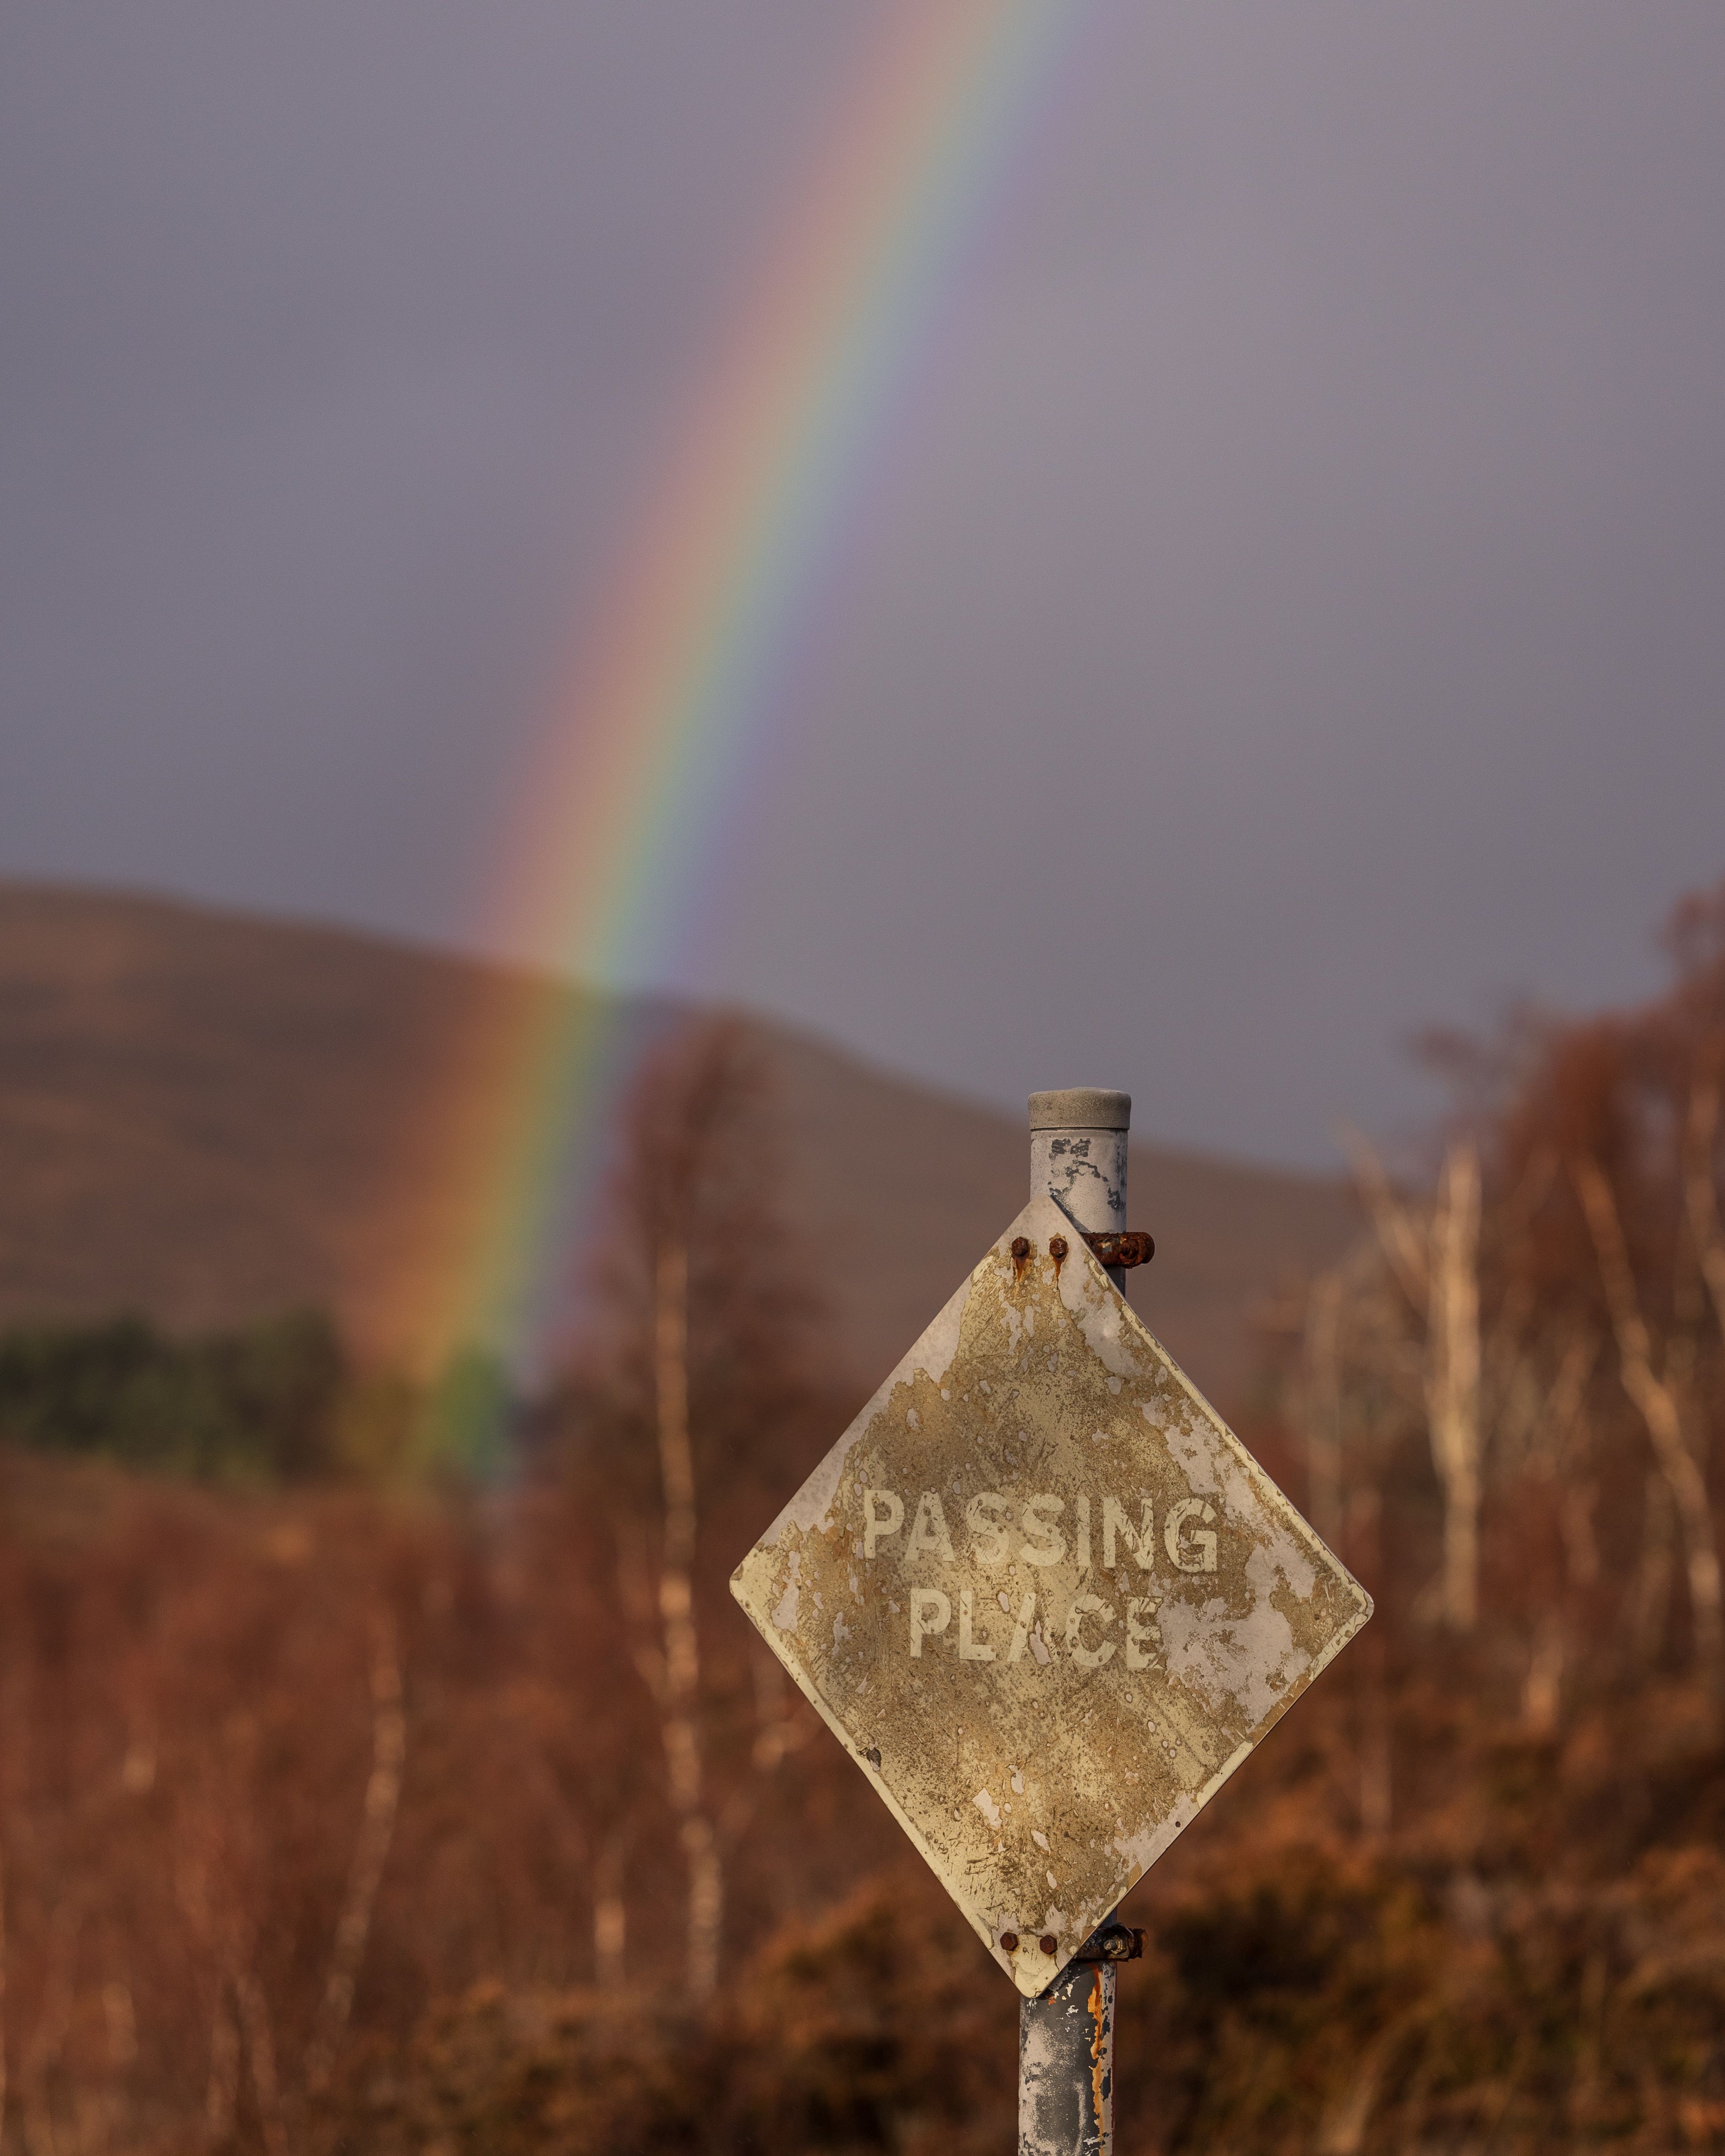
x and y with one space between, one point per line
377 1809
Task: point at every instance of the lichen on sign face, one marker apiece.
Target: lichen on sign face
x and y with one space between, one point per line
1044 1596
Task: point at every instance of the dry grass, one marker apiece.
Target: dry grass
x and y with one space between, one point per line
195 1746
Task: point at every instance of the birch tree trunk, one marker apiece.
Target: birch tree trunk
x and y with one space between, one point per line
1701 1192
382 1798
1439 1273
1649 1606
1562 1452
1322 1406
1375 1736
255 2020
680 1694
1452 1377
1661 1413
610 1911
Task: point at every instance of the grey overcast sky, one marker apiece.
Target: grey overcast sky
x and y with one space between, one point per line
1287 610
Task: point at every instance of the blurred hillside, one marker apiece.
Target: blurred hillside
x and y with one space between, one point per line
208 1119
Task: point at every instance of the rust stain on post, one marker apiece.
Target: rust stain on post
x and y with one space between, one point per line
1101 2058
1066 2065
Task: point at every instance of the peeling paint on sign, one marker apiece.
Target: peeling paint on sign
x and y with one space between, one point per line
1069 1601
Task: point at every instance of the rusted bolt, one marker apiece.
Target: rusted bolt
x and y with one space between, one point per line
1057 1251
1132 1247
1021 1255
1113 1943
1009 1941
1049 1943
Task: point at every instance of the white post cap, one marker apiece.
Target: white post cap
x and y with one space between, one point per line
1081 1108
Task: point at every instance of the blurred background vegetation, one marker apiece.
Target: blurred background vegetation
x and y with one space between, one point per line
335 1708
263 1404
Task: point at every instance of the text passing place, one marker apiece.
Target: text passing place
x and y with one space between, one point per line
1044 1596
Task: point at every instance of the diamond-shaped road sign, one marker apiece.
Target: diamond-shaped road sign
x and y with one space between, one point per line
1045 1597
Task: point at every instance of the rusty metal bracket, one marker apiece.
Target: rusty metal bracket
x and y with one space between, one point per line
1130 1247
1113 1943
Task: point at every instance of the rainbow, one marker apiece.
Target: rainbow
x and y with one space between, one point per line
649 749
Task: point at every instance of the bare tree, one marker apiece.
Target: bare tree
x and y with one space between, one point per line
257 2022
610 1907
1436 1265
680 1678
1701 1189
46 2040
1375 1750
1558 1443
1453 1377
695 1259
1321 1403
1658 1401
382 1798
1358 1378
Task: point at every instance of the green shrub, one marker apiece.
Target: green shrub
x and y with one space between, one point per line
264 1402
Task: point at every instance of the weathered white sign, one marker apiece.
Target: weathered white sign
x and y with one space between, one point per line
1045 1597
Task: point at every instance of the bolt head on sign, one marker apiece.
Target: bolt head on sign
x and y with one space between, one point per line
1045 1597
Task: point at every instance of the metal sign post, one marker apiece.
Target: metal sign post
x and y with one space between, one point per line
1078 1155
1049 1602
